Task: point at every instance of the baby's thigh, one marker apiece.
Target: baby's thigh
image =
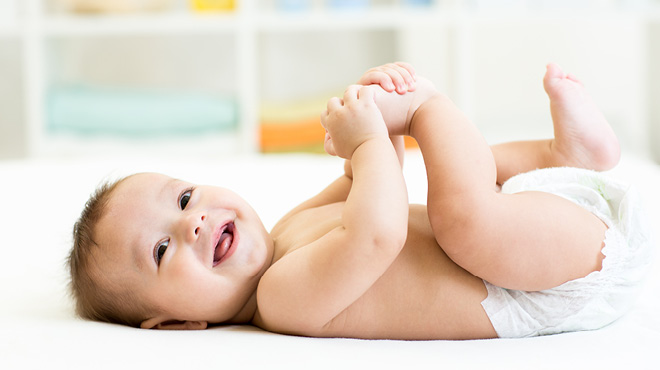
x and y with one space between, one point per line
527 241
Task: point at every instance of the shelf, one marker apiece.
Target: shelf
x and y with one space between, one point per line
394 18
149 24
272 21
40 32
384 18
185 22
533 17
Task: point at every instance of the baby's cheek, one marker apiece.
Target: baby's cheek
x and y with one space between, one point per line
183 278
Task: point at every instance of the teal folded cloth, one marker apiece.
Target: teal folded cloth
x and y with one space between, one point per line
137 112
417 2
348 4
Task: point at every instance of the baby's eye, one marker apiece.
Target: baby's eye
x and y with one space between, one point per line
184 198
160 249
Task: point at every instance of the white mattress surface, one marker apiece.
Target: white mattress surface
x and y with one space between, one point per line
41 199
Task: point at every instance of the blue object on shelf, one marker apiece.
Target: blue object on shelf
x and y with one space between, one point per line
348 4
294 5
417 2
137 112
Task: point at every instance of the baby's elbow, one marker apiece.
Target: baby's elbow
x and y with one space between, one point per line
392 238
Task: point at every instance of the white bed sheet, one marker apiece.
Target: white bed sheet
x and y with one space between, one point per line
42 199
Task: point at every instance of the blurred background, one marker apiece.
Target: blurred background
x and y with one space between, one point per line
83 78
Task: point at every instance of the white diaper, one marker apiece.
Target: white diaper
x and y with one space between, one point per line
599 298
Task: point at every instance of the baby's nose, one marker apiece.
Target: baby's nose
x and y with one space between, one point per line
192 226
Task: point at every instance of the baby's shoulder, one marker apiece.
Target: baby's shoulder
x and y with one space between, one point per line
305 227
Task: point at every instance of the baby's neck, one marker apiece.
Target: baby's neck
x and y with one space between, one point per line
246 314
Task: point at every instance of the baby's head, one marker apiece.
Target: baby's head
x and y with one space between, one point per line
157 252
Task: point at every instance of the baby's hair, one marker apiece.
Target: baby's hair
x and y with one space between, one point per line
95 299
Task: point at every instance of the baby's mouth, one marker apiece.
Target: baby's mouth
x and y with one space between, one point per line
224 243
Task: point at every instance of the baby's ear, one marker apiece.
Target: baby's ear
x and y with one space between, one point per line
157 323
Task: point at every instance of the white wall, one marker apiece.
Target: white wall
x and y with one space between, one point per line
503 64
607 56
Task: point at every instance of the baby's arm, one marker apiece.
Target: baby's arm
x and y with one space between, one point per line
399 76
307 288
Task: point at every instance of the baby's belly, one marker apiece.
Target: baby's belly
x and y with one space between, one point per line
423 295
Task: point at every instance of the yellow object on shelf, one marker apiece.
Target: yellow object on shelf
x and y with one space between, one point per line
212 5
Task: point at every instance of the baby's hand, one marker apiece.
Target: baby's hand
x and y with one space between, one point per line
397 76
352 121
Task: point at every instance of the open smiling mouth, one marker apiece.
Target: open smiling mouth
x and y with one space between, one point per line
225 244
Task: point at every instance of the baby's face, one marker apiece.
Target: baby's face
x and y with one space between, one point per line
194 253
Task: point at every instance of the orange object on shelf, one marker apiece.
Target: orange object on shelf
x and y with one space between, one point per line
292 125
304 135
295 126
212 5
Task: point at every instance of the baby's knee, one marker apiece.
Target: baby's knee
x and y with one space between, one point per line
460 221
451 228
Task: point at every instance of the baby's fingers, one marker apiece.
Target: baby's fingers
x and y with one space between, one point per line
377 77
351 94
334 103
402 75
328 145
366 93
327 141
399 77
408 67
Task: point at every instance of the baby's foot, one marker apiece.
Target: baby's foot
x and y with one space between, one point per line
583 138
398 110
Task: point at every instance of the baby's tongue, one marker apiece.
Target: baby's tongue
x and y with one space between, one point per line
223 246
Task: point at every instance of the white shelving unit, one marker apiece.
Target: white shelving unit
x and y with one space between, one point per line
40 28
36 29
245 31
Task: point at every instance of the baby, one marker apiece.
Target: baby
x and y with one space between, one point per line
548 251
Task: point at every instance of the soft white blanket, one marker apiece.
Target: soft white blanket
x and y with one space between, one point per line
42 199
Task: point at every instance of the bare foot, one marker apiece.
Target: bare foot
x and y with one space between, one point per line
583 138
398 110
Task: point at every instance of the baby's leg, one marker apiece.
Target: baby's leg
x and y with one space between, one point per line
583 138
527 241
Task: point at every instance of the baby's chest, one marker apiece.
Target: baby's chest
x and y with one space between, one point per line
307 227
